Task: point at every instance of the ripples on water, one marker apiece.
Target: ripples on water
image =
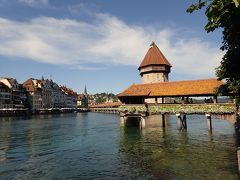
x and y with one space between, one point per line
93 146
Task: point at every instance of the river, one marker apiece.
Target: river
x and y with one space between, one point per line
93 146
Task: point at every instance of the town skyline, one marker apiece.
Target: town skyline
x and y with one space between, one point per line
61 85
100 44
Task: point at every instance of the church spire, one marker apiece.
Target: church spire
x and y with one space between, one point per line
85 90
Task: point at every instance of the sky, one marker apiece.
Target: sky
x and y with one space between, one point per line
101 43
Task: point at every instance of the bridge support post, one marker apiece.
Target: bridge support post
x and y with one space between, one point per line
238 158
179 121
142 122
122 121
182 122
163 120
209 121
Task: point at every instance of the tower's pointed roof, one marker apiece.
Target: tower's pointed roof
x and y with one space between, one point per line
85 89
154 57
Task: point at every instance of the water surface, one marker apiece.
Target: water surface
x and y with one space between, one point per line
93 146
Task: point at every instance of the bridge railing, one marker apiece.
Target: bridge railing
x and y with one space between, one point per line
133 109
107 109
212 108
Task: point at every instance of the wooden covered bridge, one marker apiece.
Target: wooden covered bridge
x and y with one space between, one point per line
177 97
110 107
157 96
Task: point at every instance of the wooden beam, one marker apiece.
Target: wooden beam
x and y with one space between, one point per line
209 121
163 120
184 121
142 122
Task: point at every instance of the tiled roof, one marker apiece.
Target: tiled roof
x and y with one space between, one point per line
154 57
68 91
3 86
80 97
8 81
177 88
31 85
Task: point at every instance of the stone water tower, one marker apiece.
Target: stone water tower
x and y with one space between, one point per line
154 67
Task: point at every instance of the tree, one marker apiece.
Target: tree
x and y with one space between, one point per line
100 100
225 14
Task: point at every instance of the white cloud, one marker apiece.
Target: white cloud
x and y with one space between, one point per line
107 41
34 2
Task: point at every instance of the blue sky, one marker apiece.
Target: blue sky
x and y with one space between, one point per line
101 43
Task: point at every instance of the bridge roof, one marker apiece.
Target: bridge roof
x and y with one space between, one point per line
154 57
203 87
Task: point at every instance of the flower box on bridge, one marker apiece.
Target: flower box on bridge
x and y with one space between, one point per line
133 110
193 108
221 108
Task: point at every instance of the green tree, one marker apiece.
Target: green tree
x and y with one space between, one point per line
225 14
100 100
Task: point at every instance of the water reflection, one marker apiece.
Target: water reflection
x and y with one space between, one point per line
92 146
193 154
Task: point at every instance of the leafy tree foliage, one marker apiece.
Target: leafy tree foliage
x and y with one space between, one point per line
100 100
225 14
103 97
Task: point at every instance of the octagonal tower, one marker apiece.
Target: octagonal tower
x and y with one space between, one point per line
154 67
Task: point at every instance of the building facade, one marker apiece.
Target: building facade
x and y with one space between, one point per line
82 100
34 93
17 95
47 98
5 96
71 97
57 95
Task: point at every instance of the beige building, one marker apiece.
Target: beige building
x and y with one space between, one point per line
34 89
46 94
52 94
